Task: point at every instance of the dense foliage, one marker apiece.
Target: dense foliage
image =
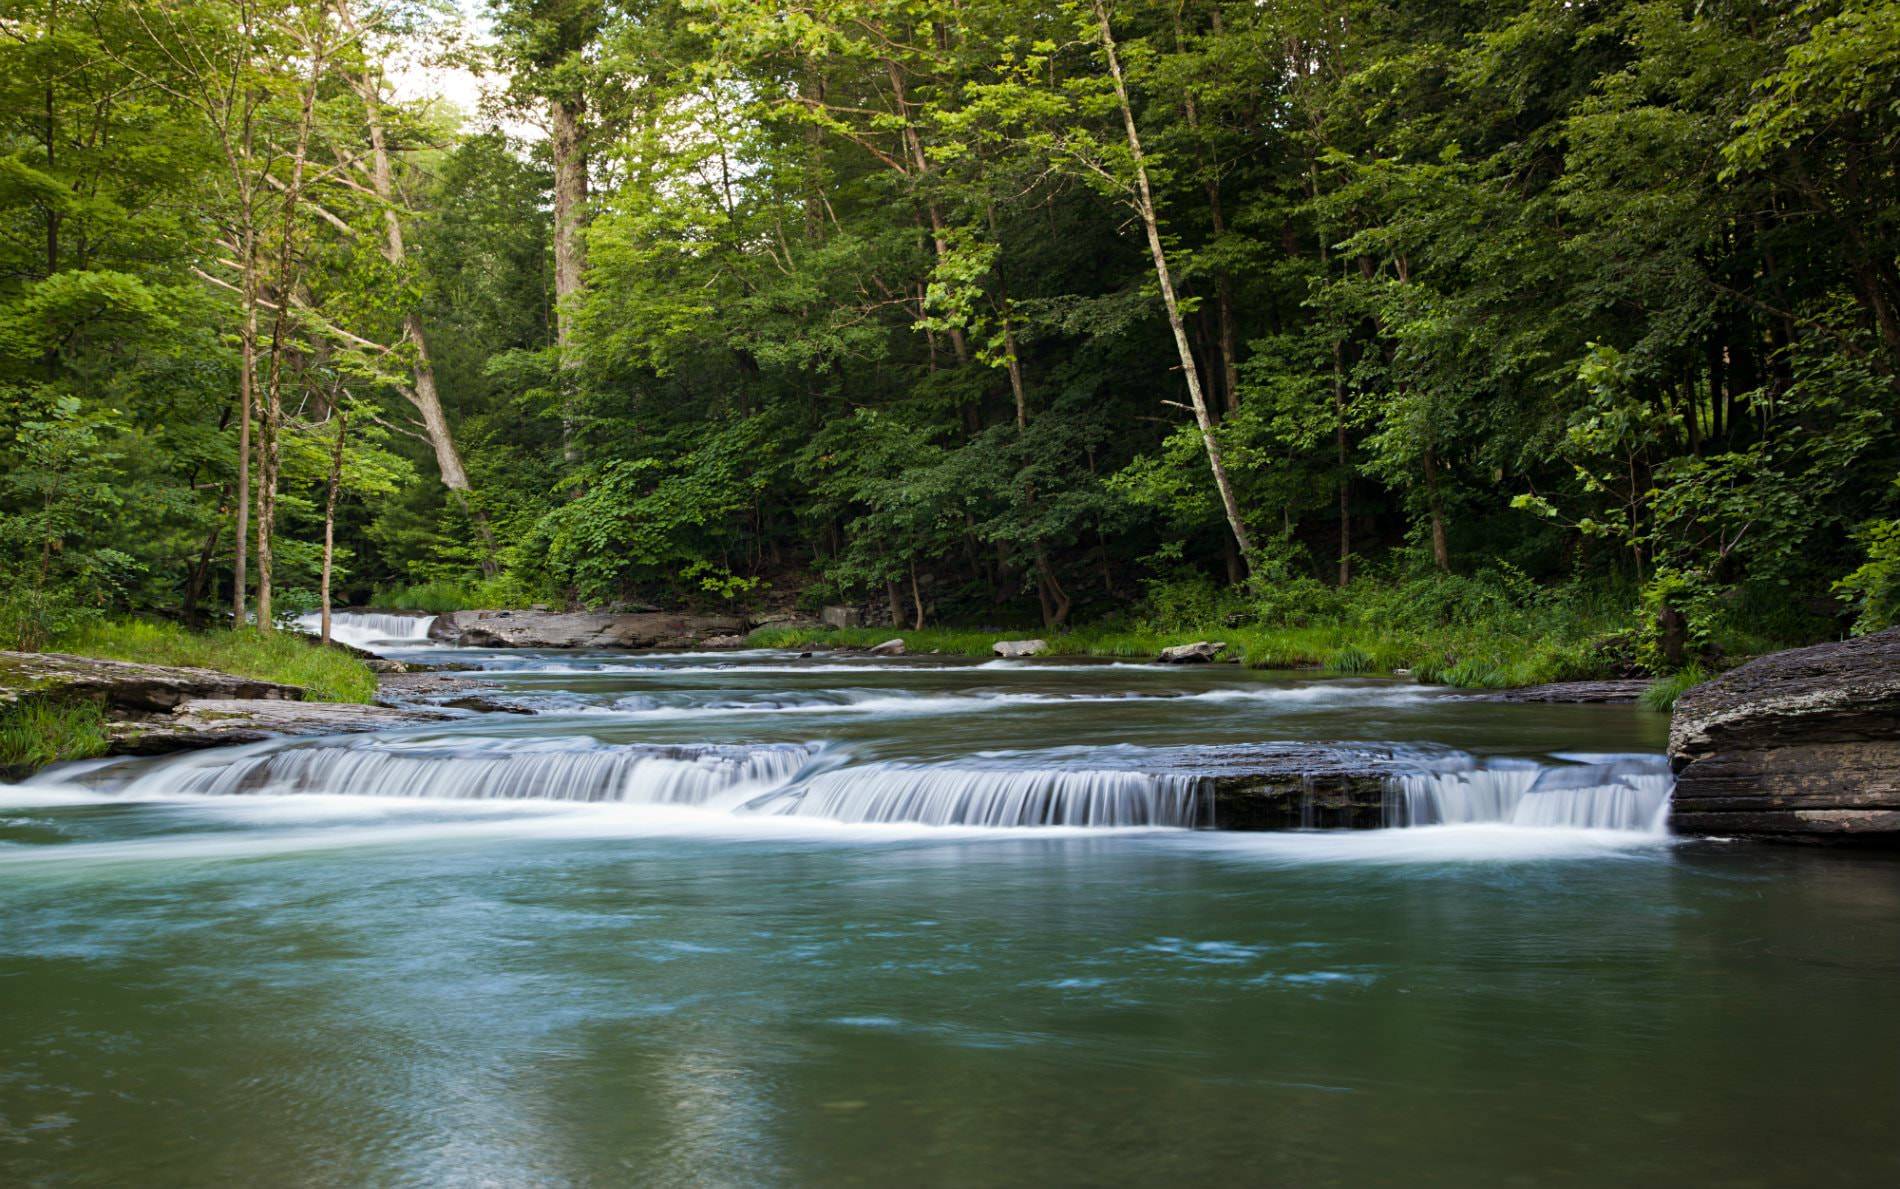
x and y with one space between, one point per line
958 308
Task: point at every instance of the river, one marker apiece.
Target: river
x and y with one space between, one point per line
757 919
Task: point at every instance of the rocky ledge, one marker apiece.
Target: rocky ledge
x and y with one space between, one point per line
220 722
154 709
587 629
1579 692
1802 744
123 686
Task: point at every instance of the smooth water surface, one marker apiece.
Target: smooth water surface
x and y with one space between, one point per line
247 987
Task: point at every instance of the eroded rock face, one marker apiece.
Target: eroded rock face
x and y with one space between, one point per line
1799 744
124 686
580 629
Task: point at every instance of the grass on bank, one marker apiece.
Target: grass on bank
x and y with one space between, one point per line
1662 695
1470 658
37 733
326 674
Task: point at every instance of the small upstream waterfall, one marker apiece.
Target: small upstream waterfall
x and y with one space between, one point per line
482 769
954 795
360 629
1595 792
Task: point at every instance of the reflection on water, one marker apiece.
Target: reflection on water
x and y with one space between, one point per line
218 984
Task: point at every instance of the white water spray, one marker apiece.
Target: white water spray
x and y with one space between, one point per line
955 795
481 769
1600 793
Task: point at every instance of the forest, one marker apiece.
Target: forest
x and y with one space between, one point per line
1571 327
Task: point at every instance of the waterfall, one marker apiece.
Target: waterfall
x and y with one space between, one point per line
1594 792
954 795
481 769
362 629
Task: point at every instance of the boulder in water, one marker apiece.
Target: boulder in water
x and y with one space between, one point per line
1800 744
217 722
1198 653
732 641
1011 649
888 648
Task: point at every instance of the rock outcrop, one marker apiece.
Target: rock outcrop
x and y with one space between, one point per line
123 686
1799 744
1012 649
581 629
888 648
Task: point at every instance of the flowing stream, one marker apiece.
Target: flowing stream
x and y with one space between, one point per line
756 918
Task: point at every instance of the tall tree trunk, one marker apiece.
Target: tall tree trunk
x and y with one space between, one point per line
1217 218
247 400
422 394
1434 500
1345 475
939 235
329 522
570 252
287 270
1145 207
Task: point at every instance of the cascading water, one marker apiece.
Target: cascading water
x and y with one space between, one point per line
481 769
1591 792
362 629
956 795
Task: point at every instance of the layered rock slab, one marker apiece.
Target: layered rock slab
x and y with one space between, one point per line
1803 744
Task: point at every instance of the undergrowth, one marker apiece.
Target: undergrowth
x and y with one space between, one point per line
40 732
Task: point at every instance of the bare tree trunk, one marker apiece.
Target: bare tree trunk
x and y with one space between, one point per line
423 394
916 600
329 522
1143 201
570 252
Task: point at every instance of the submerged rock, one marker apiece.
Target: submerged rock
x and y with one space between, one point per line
1011 649
888 648
1198 653
1797 744
580 629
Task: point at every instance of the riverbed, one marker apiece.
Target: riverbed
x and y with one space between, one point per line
759 919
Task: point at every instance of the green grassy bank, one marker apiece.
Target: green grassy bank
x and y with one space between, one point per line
327 674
